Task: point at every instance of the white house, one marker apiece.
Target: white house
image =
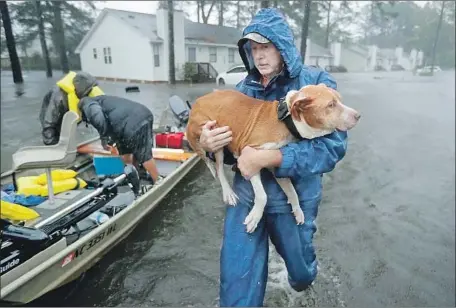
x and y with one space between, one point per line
359 58
315 54
124 45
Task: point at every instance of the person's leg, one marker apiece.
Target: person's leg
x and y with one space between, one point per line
143 150
295 244
243 261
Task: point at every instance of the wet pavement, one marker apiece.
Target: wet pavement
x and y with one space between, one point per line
386 226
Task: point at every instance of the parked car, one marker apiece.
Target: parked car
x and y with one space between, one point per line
427 69
379 68
232 76
336 69
397 67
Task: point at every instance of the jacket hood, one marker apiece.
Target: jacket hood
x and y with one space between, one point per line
83 83
271 24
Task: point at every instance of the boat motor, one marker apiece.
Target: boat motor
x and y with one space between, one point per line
19 243
180 110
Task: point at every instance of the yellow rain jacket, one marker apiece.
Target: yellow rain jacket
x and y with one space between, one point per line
64 96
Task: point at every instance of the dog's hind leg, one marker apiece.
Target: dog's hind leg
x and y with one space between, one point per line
257 211
290 192
229 197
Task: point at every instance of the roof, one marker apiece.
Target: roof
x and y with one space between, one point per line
211 33
146 24
359 49
315 49
319 51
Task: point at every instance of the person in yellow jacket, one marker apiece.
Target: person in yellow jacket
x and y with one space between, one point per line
62 97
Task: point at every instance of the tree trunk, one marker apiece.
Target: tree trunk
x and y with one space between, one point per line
220 19
238 14
172 69
203 15
434 48
305 28
11 44
328 24
264 4
60 36
44 48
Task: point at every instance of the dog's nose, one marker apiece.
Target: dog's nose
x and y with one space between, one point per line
357 116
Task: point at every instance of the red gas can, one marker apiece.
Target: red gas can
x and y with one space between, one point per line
169 140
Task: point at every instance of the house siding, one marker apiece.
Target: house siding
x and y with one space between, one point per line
131 53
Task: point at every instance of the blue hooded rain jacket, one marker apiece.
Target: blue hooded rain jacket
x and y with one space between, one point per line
244 257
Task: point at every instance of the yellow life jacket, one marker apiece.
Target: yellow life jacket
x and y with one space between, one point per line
66 84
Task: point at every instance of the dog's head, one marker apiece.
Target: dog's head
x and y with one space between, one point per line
321 108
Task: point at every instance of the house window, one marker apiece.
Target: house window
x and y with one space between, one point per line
156 55
231 55
94 53
107 55
191 54
212 54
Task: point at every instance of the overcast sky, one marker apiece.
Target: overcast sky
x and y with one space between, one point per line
151 7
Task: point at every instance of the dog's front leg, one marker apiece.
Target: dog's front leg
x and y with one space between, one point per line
293 199
257 211
229 197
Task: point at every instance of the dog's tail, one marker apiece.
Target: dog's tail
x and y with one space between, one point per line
193 141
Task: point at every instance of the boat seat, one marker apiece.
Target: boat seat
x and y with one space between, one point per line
46 157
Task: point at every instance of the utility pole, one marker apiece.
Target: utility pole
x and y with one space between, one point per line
172 70
305 28
437 37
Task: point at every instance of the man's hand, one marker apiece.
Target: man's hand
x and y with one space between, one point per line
252 161
213 139
112 149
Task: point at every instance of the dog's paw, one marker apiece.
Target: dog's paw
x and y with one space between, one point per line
299 215
252 220
229 197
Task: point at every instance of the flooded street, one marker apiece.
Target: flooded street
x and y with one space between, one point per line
386 226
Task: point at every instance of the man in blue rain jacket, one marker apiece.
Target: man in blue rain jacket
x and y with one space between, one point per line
274 67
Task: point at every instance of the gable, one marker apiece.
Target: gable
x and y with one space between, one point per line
124 19
108 33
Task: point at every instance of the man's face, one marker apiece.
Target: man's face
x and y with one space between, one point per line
267 58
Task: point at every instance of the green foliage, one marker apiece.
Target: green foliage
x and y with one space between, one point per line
189 71
77 17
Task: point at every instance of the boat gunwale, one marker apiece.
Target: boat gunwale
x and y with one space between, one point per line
20 281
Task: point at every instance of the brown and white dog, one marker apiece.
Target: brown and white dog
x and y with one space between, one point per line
315 110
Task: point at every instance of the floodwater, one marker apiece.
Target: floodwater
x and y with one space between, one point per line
386 226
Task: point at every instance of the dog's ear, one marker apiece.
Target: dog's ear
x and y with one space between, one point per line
299 105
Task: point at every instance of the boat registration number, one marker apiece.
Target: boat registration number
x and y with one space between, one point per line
94 241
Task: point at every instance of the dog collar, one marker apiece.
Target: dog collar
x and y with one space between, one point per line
284 115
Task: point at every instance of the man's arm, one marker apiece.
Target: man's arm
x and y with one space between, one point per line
310 157
95 116
51 116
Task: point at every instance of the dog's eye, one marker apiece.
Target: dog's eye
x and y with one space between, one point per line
332 104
